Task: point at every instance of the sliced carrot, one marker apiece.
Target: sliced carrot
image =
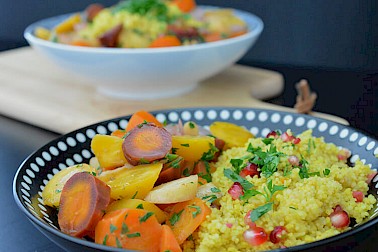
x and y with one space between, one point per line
118 133
211 37
80 43
185 217
238 33
166 41
82 204
185 5
129 229
140 117
146 143
168 240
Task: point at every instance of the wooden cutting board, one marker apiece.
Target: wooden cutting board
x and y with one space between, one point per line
34 90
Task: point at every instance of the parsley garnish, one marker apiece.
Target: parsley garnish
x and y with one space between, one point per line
112 228
236 178
137 234
145 217
140 206
303 169
135 194
209 155
185 145
174 150
326 172
260 211
197 210
144 7
175 217
171 157
210 198
105 240
143 161
237 164
186 172
267 161
119 245
192 125
267 141
125 229
215 190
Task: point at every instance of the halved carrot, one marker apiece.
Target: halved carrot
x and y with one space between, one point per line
185 5
140 117
168 240
166 41
129 229
146 143
185 217
82 204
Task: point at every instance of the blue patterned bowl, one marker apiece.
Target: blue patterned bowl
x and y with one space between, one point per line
74 148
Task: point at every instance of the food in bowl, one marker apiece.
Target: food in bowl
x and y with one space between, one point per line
200 191
145 23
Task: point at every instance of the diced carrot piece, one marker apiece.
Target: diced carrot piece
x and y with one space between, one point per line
185 5
82 204
118 133
141 117
168 240
185 217
166 41
129 229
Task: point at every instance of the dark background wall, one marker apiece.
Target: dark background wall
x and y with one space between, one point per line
332 43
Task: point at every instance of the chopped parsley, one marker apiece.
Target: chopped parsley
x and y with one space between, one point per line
303 169
175 217
145 217
210 198
197 210
140 206
174 150
118 243
143 161
185 145
260 211
209 155
144 7
135 194
186 172
105 240
192 125
112 228
133 235
326 172
215 190
267 141
237 178
125 229
171 157
238 164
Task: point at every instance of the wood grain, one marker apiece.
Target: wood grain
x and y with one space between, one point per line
34 90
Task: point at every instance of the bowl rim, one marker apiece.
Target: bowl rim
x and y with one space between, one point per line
32 39
90 244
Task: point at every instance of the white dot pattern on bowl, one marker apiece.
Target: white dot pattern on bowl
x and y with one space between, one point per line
275 118
224 114
250 115
63 145
186 116
46 156
300 121
173 116
323 126
288 119
263 116
237 115
212 114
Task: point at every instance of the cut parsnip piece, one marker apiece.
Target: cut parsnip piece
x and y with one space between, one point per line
52 191
178 190
208 192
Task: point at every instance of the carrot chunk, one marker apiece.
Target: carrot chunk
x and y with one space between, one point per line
166 41
146 143
185 217
185 5
168 240
140 117
82 204
129 229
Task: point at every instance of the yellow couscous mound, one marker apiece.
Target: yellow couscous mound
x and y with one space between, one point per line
302 207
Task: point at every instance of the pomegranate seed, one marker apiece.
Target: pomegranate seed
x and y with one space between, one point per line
343 154
370 177
296 140
338 208
339 218
229 225
248 221
278 234
255 236
358 195
251 170
286 137
293 160
272 134
236 190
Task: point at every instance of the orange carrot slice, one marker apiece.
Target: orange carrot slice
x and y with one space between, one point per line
185 217
166 41
140 117
185 5
146 143
82 204
129 229
168 240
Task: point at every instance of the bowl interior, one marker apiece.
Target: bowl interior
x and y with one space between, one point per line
74 148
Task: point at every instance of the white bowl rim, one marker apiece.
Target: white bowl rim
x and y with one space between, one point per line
32 39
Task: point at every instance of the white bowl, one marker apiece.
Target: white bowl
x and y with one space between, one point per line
147 73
